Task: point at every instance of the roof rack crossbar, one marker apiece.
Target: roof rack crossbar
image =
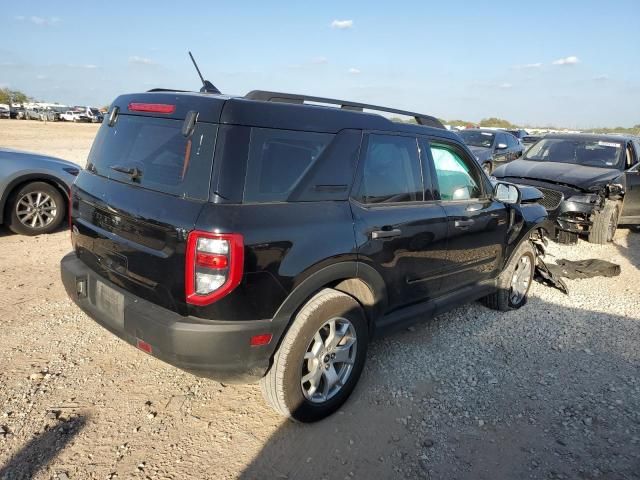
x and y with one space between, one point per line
165 90
266 96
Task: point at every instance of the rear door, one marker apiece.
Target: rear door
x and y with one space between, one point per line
141 193
515 147
477 225
501 154
631 206
400 230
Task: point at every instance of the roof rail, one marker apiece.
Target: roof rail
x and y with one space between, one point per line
266 96
165 90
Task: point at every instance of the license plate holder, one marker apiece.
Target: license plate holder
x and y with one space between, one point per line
111 303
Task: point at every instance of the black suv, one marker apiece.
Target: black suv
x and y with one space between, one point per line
263 237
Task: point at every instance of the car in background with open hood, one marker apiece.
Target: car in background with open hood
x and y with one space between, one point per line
590 183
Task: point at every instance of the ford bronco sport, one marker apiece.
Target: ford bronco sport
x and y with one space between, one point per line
270 237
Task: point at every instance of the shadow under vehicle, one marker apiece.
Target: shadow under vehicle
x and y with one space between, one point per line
591 183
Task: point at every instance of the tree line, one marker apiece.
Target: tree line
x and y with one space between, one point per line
8 96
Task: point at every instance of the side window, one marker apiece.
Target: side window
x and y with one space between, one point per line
457 179
512 142
501 138
278 160
391 170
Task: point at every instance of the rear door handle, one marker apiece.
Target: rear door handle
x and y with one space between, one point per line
464 223
396 232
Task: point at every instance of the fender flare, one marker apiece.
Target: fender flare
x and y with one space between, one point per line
30 177
328 276
525 234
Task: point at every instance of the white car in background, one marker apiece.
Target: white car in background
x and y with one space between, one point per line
74 116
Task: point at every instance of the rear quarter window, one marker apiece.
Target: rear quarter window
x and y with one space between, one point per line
168 161
279 160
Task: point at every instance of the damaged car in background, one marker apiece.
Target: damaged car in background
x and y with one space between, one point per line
590 183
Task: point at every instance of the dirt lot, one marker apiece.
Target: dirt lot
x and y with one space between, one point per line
71 141
549 391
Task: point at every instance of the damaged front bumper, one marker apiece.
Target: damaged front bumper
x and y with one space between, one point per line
575 214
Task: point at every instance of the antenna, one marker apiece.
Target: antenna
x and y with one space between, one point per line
207 86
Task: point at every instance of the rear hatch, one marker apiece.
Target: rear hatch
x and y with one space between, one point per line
147 178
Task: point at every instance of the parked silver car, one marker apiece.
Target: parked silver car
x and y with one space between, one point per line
34 191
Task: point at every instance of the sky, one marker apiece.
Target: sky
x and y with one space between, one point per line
566 63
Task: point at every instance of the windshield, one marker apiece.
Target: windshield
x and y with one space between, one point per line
587 152
95 111
474 138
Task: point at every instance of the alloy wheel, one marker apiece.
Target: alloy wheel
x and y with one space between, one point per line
36 210
328 361
520 280
613 225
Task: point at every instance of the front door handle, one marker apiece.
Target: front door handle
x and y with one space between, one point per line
396 232
464 223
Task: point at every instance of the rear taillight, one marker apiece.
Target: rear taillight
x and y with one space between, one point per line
214 266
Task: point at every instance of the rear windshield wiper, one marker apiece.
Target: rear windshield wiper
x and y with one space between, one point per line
135 173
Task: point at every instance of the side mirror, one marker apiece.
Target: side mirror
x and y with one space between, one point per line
506 193
501 146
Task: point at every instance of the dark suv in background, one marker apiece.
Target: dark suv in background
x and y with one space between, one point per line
262 237
491 147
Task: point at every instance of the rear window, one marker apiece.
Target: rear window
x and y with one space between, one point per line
279 160
166 160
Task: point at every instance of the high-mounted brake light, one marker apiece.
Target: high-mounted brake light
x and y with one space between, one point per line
152 107
213 267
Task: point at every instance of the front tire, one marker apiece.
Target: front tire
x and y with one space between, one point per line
320 359
514 282
36 208
605 223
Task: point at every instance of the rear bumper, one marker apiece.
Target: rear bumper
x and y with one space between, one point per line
213 349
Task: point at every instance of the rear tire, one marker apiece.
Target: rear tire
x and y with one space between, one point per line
605 223
49 211
301 355
514 282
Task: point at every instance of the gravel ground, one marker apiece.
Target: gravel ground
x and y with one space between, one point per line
548 391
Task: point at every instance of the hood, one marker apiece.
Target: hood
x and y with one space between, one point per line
562 173
481 153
